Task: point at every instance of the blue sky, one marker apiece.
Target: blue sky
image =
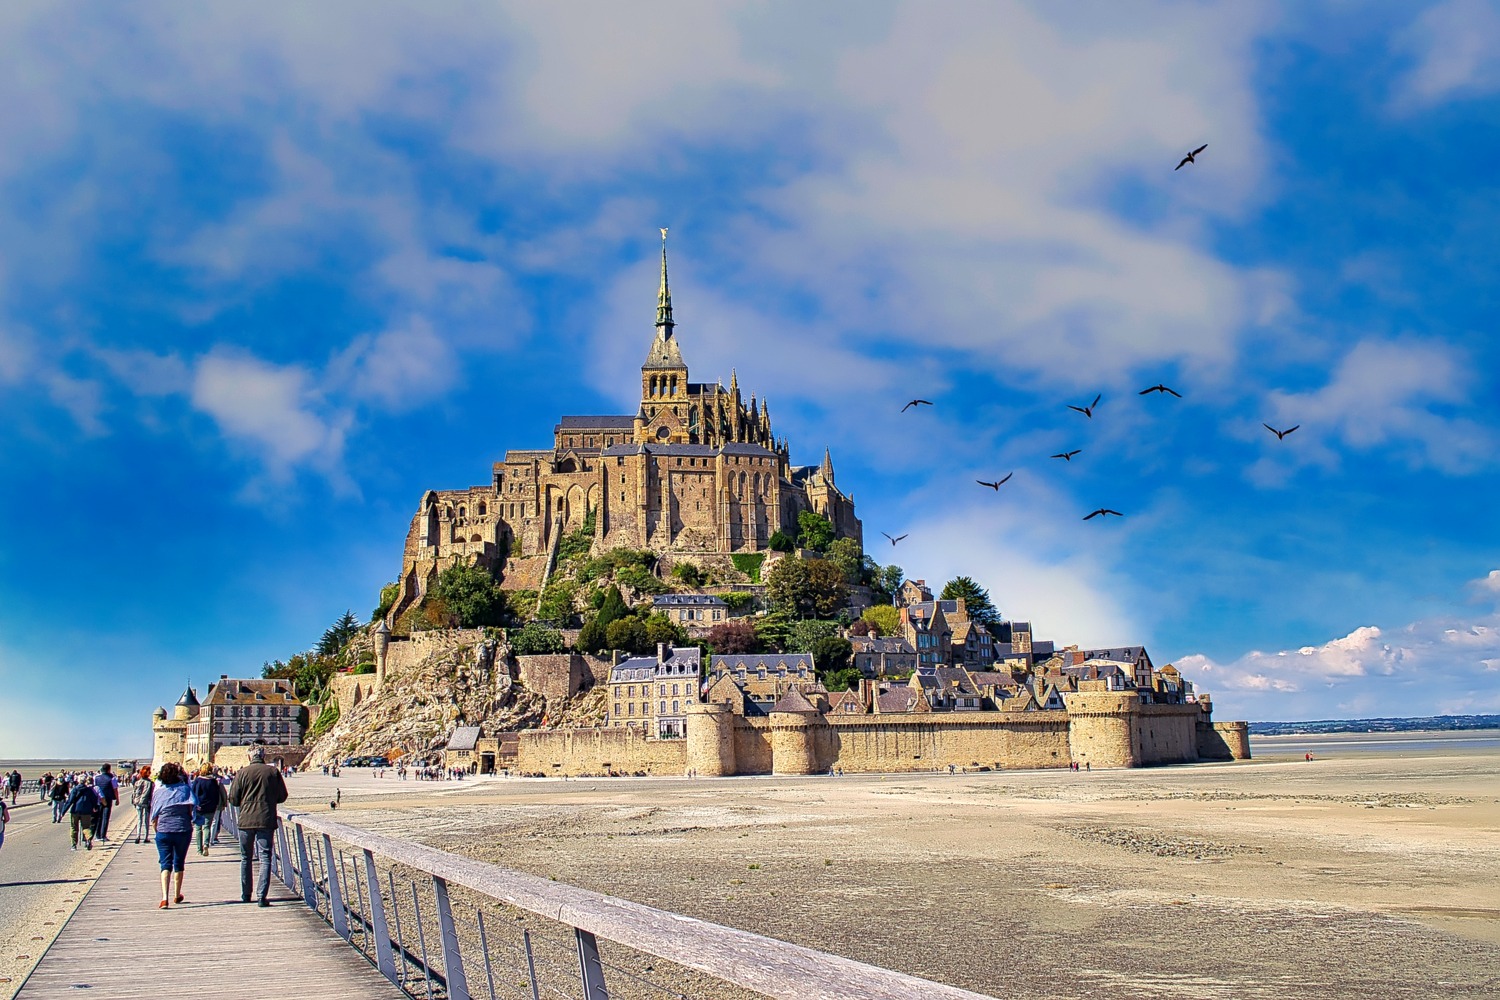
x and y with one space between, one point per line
266 275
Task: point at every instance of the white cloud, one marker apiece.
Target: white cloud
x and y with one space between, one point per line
1456 50
1399 396
1446 665
274 411
400 368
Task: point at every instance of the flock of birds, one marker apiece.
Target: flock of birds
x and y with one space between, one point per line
1088 410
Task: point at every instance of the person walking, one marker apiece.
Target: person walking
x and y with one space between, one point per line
223 780
4 819
109 795
256 792
140 797
82 808
13 785
59 795
172 817
206 800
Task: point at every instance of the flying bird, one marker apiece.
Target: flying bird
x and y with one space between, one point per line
1087 411
997 484
1280 435
896 539
1067 456
1104 511
1191 157
1158 387
916 402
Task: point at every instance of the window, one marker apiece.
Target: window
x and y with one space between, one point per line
631 707
663 689
630 691
674 689
676 707
617 708
663 708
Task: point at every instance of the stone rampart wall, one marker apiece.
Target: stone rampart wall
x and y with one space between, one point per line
404 654
237 757
752 745
349 690
575 752
1166 734
930 741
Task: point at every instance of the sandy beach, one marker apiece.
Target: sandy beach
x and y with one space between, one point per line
1271 878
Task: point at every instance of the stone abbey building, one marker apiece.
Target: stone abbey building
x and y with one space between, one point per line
696 472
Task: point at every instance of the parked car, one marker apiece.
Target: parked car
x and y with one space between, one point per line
379 762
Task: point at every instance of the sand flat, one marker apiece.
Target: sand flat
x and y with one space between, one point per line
1356 874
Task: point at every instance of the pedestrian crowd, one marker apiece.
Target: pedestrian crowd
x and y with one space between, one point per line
180 811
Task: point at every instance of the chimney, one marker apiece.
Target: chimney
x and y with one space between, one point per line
661 652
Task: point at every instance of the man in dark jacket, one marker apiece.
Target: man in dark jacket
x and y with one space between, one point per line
256 792
109 794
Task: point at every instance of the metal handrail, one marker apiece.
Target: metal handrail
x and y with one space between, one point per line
764 965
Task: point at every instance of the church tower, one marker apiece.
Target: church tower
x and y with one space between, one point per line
667 414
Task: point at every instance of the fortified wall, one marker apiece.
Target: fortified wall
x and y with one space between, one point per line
1099 729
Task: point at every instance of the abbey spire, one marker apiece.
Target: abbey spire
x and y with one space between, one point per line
664 353
664 293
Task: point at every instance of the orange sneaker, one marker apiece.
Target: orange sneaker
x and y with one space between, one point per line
178 899
162 905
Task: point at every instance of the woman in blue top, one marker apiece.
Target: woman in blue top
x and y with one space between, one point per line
172 817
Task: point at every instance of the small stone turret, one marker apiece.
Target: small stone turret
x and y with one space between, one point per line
382 647
710 740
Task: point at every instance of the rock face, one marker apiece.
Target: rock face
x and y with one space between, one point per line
457 684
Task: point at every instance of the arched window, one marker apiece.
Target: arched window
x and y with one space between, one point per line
483 510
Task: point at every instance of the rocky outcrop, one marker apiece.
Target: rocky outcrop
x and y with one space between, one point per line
458 683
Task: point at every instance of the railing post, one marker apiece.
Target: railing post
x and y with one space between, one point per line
385 961
453 964
309 887
590 969
335 892
287 875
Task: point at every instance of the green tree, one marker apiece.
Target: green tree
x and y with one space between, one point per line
388 595
660 628
831 656
577 543
829 591
628 635
884 617
739 601
471 595
772 630
846 554
801 636
780 541
557 604
736 636
338 635
814 531
533 638
595 633
976 599
309 671
885 581
788 588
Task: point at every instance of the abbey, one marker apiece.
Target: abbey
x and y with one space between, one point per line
696 471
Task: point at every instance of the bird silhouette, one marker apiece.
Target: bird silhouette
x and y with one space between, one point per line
916 402
1191 157
897 538
998 483
1104 511
1280 435
1067 456
1087 411
1158 387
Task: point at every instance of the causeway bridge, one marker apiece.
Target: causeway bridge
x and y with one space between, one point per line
359 914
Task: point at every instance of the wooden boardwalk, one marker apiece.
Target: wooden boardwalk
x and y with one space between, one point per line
118 944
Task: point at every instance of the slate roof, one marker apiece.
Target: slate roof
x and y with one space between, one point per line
688 601
793 701
752 662
464 738
611 422
687 450
900 699
681 660
881 644
1119 654
238 692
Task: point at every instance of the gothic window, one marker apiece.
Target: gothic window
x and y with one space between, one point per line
483 510
463 513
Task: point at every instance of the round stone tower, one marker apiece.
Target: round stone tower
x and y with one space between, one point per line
1101 728
710 740
792 750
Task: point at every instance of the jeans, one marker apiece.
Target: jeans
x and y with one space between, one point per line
200 832
101 825
218 822
142 823
171 850
57 810
249 840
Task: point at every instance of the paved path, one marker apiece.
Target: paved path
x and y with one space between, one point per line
41 881
245 952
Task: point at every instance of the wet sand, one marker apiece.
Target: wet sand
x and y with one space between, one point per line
1359 873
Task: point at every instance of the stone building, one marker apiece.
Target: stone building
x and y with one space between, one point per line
652 692
169 735
244 712
696 612
696 471
883 656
